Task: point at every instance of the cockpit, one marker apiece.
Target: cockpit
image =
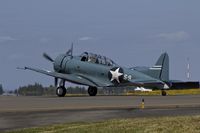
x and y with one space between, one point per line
97 59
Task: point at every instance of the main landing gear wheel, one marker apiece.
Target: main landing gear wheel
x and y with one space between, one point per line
164 93
61 91
92 91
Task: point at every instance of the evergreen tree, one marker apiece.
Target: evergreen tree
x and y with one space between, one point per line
1 89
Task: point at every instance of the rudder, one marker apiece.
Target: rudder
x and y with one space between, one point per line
161 69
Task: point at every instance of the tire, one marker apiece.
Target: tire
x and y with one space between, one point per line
92 91
61 91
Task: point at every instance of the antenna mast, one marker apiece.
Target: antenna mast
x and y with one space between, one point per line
188 69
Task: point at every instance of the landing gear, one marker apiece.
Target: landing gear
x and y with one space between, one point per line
164 93
92 91
61 91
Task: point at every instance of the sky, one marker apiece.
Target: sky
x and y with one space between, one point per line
131 32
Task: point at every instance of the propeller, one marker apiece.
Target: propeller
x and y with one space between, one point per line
46 56
70 51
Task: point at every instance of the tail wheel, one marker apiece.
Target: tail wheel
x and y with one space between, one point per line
92 91
61 91
164 93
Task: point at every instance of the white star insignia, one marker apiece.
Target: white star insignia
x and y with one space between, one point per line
115 75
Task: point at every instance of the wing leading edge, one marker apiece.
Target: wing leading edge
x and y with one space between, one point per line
68 77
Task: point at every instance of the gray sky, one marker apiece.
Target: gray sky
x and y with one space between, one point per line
131 32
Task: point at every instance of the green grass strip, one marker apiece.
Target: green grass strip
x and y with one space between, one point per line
179 124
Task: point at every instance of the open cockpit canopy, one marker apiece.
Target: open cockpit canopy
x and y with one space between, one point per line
97 59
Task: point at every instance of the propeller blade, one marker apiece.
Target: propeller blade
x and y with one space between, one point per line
70 51
46 56
72 46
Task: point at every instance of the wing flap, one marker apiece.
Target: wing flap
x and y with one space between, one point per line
146 83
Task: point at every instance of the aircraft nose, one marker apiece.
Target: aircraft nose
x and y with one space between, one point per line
60 62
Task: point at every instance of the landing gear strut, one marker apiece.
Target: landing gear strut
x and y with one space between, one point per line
61 91
164 93
92 91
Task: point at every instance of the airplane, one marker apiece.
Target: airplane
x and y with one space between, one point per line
96 72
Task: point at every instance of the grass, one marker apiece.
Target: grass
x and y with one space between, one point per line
169 92
179 124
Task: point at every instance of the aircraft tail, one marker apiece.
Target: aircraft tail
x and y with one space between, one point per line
161 69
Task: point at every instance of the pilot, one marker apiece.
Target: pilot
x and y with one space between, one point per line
85 57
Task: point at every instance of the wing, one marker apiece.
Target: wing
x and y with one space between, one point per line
99 81
78 79
91 81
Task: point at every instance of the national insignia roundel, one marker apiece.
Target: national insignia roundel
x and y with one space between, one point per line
116 75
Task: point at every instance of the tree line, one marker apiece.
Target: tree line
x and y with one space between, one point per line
39 90
1 89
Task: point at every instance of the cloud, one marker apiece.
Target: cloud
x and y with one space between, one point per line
86 38
6 38
173 36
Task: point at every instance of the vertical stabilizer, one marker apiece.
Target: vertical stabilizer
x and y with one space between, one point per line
161 69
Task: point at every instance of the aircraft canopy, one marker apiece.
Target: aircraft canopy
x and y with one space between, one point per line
98 59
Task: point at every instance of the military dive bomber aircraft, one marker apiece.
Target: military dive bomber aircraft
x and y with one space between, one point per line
98 71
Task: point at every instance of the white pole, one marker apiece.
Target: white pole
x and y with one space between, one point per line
188 69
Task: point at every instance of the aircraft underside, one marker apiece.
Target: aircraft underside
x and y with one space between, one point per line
92 91
61 91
